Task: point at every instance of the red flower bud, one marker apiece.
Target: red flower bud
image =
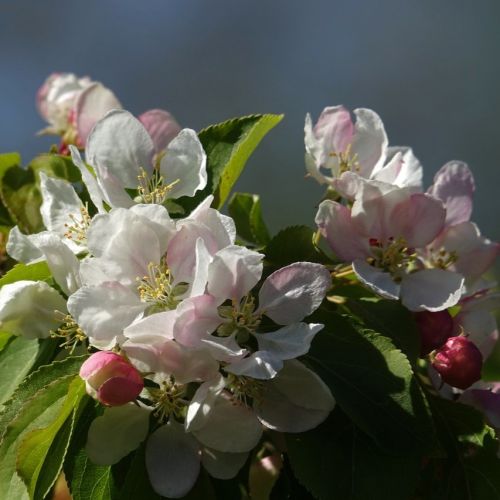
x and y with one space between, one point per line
111 379
459 362
435 329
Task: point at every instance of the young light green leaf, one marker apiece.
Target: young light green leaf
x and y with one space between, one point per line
38 271
246 211
34 448
16 360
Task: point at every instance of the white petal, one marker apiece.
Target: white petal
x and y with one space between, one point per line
222 465
172 460
116 433
295 401
158 219
120 144
60 202
95 192
27 308
233 272
290 341
22 247
411 172
104 311
184 162
377 280
431 290
370 141
230 427
159 325
294 291
261 365
224 348
202 261
63 264
202 402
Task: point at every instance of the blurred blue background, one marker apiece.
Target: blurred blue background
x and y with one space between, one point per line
430 68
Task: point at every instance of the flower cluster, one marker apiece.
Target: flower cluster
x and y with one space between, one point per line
404 243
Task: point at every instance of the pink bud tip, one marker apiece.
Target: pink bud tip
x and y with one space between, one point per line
435 329
459 362
111 379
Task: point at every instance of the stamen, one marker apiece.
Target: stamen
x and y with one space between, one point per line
168 400
153 189
347 160
245 390
156 287
77 231
69 330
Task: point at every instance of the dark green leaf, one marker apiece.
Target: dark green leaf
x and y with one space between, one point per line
246 211
373 383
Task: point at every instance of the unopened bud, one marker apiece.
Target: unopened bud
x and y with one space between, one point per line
459 362
435 329
111 379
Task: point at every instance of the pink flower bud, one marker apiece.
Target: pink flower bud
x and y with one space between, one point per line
435 329
111 379
459 362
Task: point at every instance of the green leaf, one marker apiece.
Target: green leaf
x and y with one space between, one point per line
350 465
55 166
228 146
293 244
31 272
246 211
34 413
5 337
16 360
34 449
372 382
35 382
391 319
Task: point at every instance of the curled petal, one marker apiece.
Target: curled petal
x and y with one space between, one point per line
22 247
293 292
260 365
377 280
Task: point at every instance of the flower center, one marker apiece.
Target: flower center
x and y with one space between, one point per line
168 400
347 160
153 189
245 389
77 231
70 331
441 258
156 287
241 316
394 257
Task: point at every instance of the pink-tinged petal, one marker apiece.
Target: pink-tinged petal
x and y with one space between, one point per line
187 364
172 460
92 104
230 427
116 433
379 281
369 142
202 402
295 401
97 362
475 253
418 219
104 311
293 292
485 400
233 272
313 155
161 126
454 186
95 192
184 164
334 129
118 147
261 365
431 290
222 465
290 341
197 318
